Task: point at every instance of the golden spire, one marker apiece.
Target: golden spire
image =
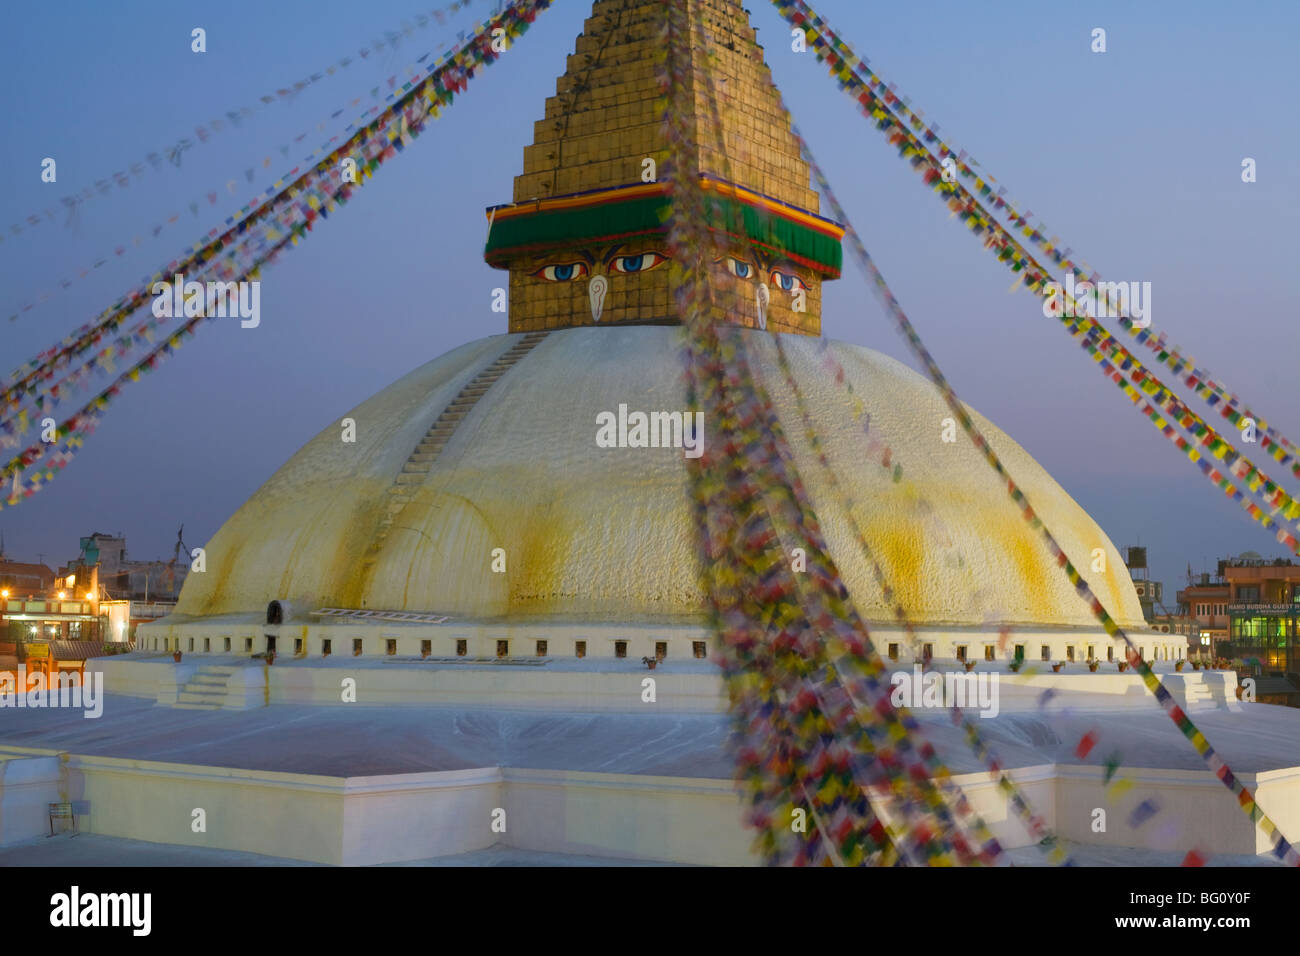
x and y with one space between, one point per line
583 239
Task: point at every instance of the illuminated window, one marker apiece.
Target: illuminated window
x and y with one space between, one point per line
961 652
893 652
390 647
579 648
988 652
661 649
462 648
620 648
426 648
541 648
698 649
503 648
356 647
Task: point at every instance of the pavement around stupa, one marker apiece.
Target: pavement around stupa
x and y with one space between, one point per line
93 849
89 849
355 740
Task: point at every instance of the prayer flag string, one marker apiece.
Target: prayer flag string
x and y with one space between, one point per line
851 70
264 230
1282 848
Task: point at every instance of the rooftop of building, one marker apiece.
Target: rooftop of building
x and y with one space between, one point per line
23 567
1250 559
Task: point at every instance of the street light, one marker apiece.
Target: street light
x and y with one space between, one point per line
62 595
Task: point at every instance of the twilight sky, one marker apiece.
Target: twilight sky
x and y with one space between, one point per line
1132 157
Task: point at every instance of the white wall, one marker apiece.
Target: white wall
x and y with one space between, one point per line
29 783
366 820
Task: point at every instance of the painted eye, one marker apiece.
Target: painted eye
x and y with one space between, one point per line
562 273
640 263
788 281
738 267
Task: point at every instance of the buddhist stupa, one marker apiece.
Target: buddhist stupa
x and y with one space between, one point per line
484 506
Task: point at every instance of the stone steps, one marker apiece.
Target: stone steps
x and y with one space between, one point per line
214 687
207 689
194 697
419 464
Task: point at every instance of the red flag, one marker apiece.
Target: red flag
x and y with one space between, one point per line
1086 743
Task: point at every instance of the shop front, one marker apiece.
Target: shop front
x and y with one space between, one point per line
1266 633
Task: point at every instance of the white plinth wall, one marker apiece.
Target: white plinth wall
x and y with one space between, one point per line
358 820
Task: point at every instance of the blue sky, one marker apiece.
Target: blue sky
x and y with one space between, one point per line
1132 157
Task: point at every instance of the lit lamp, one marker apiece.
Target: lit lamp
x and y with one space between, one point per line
4 593
62 595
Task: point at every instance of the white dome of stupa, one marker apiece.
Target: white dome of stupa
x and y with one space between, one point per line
596 534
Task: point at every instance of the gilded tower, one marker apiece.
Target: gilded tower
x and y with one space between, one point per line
583 239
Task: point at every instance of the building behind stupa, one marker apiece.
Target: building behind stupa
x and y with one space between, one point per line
479 512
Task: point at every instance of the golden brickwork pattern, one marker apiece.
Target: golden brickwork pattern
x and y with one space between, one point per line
604 122
604 117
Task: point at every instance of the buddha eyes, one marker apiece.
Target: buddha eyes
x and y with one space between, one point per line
562 273
781 279
788 281
638 263
624 265
737 267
